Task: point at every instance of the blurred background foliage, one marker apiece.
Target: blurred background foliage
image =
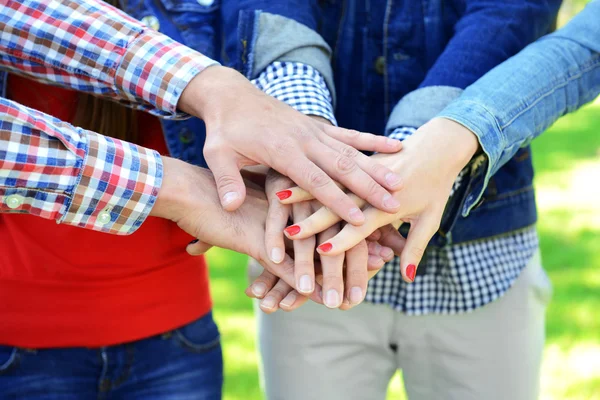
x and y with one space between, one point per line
567 163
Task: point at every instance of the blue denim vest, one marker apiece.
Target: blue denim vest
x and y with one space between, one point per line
412 35
195 24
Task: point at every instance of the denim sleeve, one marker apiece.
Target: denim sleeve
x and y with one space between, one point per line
260 32
518 100
488 33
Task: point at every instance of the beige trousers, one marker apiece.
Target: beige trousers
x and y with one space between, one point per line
493 353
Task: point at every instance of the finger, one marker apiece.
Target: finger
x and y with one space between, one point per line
344 169
304 251
230 184
419 235
363 141
261 285
197 248
292 301
391 238
332 267
380 173
309 176
382 252
350 235
296 194
277 219
270 303
375 263
317 222
283 270
356 273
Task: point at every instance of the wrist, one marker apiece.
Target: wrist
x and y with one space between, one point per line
183 184
206 91
460 143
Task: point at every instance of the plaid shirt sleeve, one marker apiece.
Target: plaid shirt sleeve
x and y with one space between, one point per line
90 46
299 86
54 170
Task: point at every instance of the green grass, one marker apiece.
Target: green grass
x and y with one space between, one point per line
567 161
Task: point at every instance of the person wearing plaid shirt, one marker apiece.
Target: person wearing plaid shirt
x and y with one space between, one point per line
81 179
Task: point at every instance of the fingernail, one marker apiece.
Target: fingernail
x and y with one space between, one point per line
305 284
332 299
229 198
284 194
325 247
356 295
276 255
289 300
392 179
411 270
259 289
393 142
377 248
268 302
292 230
356 215
194 241
390 202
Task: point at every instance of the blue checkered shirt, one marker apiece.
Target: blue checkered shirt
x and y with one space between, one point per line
458 277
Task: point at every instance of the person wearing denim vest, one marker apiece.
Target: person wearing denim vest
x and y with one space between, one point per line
395 65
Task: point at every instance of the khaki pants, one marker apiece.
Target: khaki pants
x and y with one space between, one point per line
493 353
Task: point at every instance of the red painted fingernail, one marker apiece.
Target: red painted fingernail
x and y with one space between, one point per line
325 247
411 270
292 230
284 194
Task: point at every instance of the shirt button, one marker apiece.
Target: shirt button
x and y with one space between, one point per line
151 21
380 65
205 2
104 217
14 201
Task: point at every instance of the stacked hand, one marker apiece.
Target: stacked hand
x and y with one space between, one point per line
429 164
246 127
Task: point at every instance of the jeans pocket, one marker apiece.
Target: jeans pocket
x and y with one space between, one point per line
199 336
9 358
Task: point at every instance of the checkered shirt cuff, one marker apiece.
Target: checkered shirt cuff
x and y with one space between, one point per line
298 85
157 69
54 170
92 47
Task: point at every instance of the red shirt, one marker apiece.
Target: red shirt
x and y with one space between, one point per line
62 286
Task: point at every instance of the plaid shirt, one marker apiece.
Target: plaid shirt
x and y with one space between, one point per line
457 278
55 170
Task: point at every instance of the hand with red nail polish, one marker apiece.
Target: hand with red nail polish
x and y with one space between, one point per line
429 164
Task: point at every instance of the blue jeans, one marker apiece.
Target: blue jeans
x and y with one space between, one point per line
183 364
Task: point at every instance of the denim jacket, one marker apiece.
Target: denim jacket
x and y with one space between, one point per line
518 100
195 23
399 64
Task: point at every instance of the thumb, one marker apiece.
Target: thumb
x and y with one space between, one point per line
421 232
197 248
230 184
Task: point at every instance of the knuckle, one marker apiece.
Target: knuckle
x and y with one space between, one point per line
278 292
304 265
373 189
417 251
349 152
344 165
317 179
353 134
356 274
225 180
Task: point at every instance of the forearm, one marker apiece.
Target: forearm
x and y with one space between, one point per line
93 47
54 170
519 99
